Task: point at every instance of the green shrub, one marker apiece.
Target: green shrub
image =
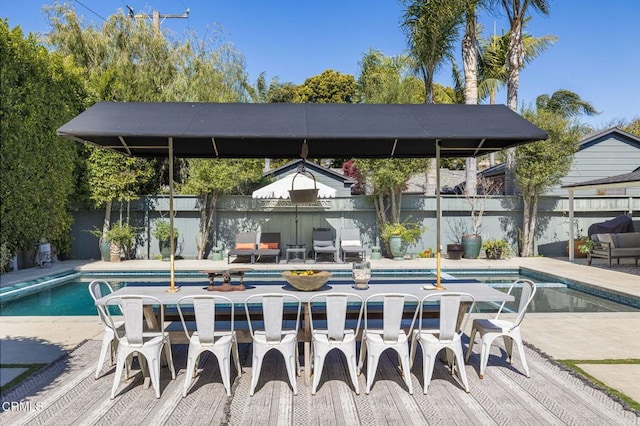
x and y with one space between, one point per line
162 231
496 249
409 232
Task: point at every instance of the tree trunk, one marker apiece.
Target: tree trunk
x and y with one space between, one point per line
470 60
471 172
430 178
107 219
532 225
514 63
526 219
470 64
207 220
427 76
530 217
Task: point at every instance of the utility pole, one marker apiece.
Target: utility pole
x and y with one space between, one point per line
156 16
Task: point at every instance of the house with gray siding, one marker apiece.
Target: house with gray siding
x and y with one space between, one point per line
609 153
602 155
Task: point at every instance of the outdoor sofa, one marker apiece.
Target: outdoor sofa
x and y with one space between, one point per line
615 246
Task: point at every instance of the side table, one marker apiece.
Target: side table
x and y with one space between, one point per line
296 252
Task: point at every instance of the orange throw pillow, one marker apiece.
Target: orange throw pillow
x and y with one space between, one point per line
245 246
268 246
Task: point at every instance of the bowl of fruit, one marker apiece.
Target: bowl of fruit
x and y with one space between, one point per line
307 280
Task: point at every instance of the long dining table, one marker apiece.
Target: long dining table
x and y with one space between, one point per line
480 291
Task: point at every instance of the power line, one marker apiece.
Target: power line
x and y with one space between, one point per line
90 10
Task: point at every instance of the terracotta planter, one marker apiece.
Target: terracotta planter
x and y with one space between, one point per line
576 249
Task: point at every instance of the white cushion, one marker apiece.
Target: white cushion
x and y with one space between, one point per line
606 238
350 243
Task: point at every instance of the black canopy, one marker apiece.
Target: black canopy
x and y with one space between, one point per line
228 130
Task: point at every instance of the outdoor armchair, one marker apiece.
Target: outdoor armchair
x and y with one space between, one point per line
245 246
324 244
351 244
269 246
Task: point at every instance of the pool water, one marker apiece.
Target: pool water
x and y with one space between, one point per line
72 298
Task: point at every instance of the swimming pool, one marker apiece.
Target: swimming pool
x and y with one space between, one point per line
70 296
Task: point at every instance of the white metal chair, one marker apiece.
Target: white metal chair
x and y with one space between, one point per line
273 334
391 336
208 337
446 336
335 335
135 341
109 339
490 329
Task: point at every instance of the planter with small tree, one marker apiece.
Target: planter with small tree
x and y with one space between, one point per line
398 236
472 241
122 237
162 232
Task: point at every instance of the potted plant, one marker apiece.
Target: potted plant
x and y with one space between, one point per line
398 236
103 243
472 241
162 232
455 250
585 246
122 237
496 249
582 244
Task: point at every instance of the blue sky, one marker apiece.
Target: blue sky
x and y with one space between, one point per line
597 54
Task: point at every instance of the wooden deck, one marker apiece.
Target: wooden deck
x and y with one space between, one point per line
66 393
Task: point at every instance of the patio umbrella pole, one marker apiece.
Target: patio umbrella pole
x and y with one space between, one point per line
172 242
296 226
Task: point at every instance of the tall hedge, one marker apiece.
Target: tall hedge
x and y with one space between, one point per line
39 91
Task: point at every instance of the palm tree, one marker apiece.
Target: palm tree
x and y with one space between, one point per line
431 28
470 50
493 56
566 103
516 11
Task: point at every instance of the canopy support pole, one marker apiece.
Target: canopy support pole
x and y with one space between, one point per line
438 217
571 223
172 242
